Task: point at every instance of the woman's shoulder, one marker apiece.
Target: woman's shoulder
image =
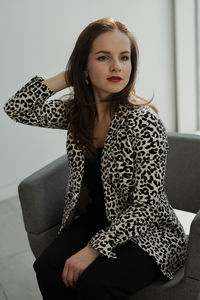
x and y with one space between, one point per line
140 112
139 106
143 118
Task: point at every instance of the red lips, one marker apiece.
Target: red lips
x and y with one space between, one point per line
115 77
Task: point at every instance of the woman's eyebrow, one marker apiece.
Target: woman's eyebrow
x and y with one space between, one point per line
107 52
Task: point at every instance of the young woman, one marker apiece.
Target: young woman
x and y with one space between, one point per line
117 147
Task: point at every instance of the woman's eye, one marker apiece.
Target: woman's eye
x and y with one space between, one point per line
101 58
125 58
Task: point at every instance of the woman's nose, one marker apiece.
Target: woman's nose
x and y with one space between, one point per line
115 65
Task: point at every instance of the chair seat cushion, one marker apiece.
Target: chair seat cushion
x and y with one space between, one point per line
185 218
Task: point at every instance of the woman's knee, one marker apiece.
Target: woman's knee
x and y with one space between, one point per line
37 265
41 264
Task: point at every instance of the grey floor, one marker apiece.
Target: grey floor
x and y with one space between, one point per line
17 277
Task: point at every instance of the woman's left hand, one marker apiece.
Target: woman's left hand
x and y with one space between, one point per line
77 263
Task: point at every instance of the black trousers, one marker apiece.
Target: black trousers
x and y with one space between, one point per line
105 278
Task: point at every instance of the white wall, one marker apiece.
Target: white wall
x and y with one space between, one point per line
186 65
37 38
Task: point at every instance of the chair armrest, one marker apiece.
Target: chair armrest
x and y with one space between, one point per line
42 196
192 264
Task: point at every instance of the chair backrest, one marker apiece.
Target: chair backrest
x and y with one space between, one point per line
183 171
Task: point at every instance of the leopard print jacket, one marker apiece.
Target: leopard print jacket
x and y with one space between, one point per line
133 167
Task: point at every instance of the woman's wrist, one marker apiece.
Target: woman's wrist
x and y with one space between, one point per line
56 83
94 251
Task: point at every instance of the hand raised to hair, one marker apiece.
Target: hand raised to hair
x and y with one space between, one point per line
77 263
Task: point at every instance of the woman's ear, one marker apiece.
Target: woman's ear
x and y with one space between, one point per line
86 77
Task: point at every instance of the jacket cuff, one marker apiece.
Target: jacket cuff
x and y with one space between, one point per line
101 242
37 90
36 81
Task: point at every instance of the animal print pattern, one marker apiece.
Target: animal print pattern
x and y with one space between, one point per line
133 167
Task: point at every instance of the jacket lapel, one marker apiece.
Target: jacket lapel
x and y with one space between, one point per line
76 160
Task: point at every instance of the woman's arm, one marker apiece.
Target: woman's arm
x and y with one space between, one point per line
29 106
56 83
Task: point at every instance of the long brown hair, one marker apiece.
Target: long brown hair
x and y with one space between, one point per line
81 108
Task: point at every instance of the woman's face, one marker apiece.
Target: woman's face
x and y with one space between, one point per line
110 56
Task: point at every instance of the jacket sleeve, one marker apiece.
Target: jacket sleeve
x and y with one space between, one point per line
30 106
150 146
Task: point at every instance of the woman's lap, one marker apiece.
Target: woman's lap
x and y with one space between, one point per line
71 240
132 270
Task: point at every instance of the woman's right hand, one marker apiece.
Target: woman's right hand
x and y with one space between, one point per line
56 83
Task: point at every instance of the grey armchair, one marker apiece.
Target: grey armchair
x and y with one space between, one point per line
42 199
